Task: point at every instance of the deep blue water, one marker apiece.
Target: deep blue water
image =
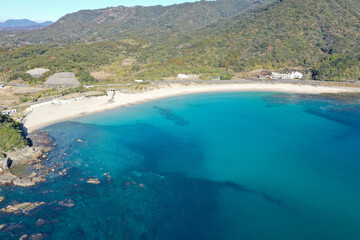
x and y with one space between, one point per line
251 166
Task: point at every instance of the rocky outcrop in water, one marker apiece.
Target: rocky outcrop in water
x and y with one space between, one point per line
21 207
24 167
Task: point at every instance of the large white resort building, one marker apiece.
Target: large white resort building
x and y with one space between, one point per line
293 75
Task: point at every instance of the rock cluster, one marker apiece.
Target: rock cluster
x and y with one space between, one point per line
27 156
69 203
21 207
93 181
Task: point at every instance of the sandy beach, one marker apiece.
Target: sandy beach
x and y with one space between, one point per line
50 113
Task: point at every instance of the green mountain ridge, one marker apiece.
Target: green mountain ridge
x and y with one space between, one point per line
321 35
318 36
115 22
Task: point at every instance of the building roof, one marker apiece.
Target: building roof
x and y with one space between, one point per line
37 72
63 78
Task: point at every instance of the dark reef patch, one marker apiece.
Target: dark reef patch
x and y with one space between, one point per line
170 115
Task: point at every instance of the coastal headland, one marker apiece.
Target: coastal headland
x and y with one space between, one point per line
49 113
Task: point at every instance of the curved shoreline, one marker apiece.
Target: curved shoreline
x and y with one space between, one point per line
51 113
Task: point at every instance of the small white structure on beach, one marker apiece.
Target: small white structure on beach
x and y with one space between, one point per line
37 72
182 76
139 81
293 75
8 112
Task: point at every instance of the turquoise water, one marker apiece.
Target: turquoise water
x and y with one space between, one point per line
206 166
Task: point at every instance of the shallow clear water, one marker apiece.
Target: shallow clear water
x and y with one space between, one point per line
206 166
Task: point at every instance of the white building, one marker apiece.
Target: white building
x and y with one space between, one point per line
139 81
182 76
8 112
293 75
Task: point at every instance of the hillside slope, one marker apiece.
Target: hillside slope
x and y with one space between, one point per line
115 22
323 35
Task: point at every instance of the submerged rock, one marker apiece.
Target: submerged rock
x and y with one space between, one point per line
3 226
40 222
23 237
21 207
93 181
37 236
69 203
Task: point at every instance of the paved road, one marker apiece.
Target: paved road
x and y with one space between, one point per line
251 80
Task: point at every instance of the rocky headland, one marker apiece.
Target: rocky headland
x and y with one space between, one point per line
24 167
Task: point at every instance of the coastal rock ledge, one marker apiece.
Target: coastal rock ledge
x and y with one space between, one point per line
21 207
24 167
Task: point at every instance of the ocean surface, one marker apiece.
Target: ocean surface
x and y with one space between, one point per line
231 166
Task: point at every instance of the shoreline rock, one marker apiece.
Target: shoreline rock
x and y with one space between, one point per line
21 207
28 156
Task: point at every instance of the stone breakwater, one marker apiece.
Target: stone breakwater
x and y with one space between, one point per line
24 167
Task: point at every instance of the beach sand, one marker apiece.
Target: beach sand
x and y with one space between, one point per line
47 114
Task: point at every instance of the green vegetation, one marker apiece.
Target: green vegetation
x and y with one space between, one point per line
321 37
78 57
284 34
11 135
140 22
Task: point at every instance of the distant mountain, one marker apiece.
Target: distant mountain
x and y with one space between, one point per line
115 22
22 24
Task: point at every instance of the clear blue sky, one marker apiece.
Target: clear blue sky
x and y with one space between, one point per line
42 10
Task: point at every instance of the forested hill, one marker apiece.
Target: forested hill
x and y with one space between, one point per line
323 35
318 36
115 22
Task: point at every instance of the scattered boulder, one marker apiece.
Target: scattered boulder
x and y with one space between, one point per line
69 203
40 222
37 236
25 236
93 181
1 199
3 226
38 179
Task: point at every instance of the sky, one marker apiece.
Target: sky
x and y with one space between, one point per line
52 10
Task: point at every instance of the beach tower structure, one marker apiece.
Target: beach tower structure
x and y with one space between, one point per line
63 79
